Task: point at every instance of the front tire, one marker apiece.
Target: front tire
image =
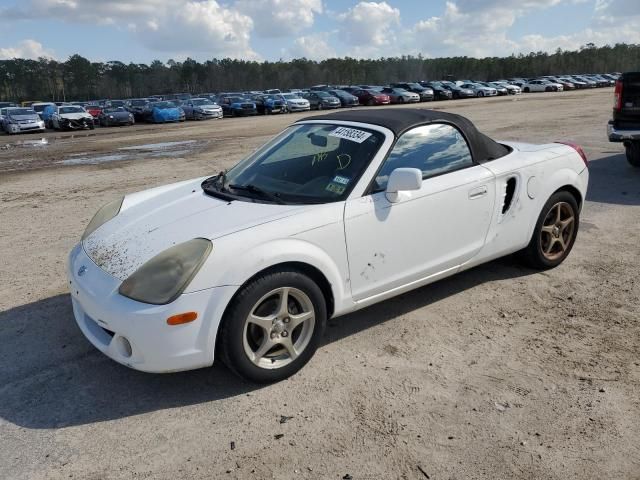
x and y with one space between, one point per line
632 150
480 94
526 90
555 232
273 326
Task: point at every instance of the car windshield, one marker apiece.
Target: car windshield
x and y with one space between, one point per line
114 109
72 109
164 105
40 108
308 163
117 103
138 103
290 96
14 112
202 101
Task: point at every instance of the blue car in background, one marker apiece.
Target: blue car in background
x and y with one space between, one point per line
237 107
163 112
45 115
269 104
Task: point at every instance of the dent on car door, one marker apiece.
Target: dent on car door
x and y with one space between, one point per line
429 231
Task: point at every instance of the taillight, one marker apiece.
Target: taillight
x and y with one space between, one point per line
617 96
578 149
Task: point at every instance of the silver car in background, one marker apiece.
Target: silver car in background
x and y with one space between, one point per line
19 120
512 89
480 90
295 103
201 109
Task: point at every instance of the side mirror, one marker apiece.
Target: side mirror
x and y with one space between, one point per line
403 180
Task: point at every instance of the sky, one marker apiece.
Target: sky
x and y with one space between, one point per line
143 30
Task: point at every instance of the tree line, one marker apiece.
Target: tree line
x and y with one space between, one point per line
80 79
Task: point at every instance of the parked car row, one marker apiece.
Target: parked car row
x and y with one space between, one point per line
178 107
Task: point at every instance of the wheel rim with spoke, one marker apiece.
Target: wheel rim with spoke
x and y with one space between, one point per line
278 328
557 231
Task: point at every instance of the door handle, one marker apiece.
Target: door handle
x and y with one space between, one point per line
478 192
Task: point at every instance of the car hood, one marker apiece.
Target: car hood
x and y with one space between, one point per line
22 118
152 221
75 116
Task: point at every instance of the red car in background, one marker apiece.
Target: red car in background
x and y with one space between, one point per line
371 97
94 110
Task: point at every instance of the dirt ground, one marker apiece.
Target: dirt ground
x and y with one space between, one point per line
498 373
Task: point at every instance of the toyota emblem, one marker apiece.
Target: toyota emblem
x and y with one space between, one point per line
82 270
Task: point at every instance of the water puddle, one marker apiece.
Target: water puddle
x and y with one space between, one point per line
79 160
40 142
150 150
164 146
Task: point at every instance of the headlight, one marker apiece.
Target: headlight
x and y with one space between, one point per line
102 216
111 117
163 278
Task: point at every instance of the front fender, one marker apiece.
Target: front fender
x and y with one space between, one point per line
276 252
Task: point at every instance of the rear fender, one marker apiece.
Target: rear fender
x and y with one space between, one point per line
556 181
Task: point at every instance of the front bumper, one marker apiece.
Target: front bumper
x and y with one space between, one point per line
616 135
75 124
26 127
117 121
204 115
136 334
299 108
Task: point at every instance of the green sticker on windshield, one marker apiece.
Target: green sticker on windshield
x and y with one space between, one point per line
336 188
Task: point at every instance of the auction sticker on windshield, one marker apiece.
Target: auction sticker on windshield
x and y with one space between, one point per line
352 134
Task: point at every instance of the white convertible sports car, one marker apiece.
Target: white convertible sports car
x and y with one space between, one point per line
336 213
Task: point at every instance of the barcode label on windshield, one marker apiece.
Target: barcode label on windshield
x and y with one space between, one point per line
352 134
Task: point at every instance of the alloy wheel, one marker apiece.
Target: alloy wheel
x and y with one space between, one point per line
557 231
278 328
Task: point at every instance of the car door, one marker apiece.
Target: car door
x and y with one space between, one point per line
427 232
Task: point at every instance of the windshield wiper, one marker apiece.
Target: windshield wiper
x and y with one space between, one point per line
263 193
215 186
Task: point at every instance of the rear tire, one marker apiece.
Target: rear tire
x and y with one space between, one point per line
259 331
481 94
526 90
555 232
632 150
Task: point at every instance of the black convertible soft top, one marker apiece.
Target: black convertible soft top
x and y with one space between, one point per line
399 120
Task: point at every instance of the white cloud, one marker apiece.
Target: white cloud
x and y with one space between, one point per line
481 28
466 32
315 47
279 18
369 24
198 27
175 26
25 49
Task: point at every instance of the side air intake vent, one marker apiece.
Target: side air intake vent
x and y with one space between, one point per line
509 191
